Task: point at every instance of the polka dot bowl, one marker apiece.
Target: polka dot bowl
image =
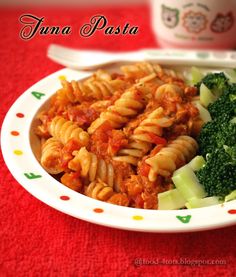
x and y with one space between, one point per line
19 151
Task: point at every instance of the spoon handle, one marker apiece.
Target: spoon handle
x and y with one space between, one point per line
188 57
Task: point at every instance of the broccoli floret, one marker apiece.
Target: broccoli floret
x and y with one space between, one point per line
231 151
218 175
226 134
225 104
217 133
206 139
222 129
216 82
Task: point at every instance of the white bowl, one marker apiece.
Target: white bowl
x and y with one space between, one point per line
17 142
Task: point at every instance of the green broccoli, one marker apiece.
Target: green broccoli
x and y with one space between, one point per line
222 129
216 82
206 139
218 175
216 133
226 134
217 139
231 151
225 104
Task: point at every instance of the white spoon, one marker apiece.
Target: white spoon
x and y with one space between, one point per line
91 60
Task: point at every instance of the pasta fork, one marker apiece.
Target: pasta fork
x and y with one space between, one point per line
92 60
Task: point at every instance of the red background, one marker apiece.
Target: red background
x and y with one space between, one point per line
37 240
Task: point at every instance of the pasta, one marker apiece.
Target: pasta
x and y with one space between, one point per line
169 91
147 133
171 157
118 137
128 105
98 87
101 191
142 69
92 167
51 156
64 130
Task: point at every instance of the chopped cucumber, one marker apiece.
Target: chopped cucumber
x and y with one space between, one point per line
203 113
233 120
230 196
231 74
196 75
206 96
204 202
197 162
170 200
232 97
187 183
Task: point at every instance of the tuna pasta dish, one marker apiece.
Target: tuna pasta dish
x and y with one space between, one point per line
144 137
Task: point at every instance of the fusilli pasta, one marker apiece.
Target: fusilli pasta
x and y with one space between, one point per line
147 133
128 105
142 69
169 91
174 155
139 70
101 191
91 167
99 86
118 137
51 156
64 130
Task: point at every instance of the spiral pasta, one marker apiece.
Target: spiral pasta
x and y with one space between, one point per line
171 157
100 86
51 156
170 91
101 191
119 136
64 130
172 73
91 167
101 74
128 105
147 133
94 89
142 69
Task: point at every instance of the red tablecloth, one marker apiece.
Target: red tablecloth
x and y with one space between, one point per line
37 240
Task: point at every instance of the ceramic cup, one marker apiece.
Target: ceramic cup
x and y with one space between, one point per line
199 24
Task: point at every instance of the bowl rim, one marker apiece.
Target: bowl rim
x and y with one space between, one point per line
53 193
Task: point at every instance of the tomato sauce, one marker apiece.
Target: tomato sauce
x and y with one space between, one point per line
106 142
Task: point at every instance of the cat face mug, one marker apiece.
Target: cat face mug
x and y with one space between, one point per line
199 24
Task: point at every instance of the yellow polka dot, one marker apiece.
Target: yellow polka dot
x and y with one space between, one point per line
62 77
18 152
138 217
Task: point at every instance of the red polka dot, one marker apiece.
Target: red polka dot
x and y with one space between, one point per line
20 115
232 211
15 133
98 210
64 197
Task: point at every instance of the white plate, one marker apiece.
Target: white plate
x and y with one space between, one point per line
22 163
